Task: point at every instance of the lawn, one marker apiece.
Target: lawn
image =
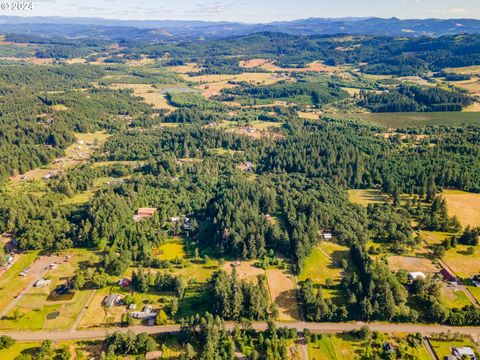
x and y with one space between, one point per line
319 267
454 299
333 348
11 283
399 120
475 291
434 237
465 206
443 348
172 249
19 348
365 197
461 263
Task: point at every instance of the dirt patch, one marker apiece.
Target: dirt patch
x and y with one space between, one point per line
283 292
411 264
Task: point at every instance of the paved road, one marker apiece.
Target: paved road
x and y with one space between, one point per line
313 327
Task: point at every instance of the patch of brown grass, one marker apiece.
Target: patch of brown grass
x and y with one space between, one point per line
465 206
283 293
246 270
148 93
411 264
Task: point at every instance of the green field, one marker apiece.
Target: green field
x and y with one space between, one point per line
11 283
443 348
171 250
333 348
455 299
365 197
399 120
19 348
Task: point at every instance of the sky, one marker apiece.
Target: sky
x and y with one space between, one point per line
250 11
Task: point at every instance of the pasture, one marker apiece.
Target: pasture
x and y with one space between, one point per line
283 292
467 70
309 115
11 283
365 197
454 298
472 85
324 262
148 93
406 119
465 206
462 264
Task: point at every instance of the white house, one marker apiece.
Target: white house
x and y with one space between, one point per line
464 351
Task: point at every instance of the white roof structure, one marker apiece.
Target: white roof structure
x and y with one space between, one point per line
463 350
417 274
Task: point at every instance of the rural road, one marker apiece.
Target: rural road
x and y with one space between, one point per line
313 327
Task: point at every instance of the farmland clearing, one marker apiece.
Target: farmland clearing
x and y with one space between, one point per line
365 197
412 264
464 205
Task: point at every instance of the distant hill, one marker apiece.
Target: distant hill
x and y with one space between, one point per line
178 29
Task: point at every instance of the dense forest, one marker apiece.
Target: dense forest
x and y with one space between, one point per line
414 99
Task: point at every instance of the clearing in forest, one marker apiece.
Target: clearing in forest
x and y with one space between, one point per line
461 262
149 93
464 205
170 250
472 85
75 154
246 270
283 292
365 197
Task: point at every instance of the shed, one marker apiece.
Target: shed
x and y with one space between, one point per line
42 283
327 234
448 275
463 351
111 300
126 281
